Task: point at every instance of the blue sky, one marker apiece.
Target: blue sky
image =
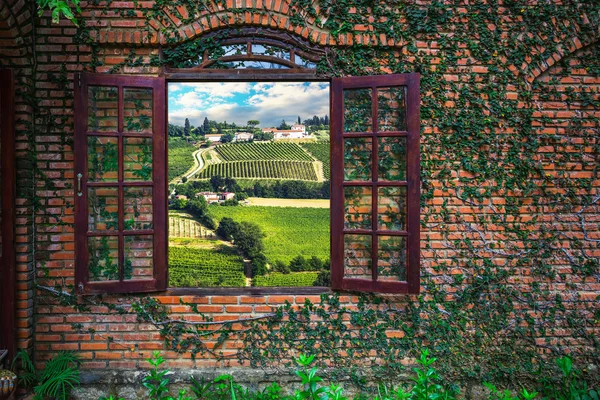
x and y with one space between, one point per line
267 102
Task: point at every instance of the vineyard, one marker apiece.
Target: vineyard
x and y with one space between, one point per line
290 231
183 225
320 150
180 157
291 279
262 151
265 169
198 267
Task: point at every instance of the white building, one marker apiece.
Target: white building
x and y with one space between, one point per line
243 136
212 197
214 137
298 131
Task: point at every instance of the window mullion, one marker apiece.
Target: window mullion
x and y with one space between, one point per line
375 173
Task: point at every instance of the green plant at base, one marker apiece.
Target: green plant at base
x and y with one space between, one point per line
157 382
55 381
570 385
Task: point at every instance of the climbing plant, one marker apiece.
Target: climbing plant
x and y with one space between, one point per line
509 190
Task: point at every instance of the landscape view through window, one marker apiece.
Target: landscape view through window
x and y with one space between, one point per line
249 173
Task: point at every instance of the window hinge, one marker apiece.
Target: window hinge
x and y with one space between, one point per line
80 287
79 79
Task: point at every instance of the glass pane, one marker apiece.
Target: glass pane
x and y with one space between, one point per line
103 209
304 63
357 256
138 257
103 159
103 258
391 208
391 109
103 109
137 163
357 159
392 158
358 110
266 50
231 50
137 207
137 105
391 258
357 207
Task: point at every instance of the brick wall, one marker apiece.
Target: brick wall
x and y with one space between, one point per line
49 236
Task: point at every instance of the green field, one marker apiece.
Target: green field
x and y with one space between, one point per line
291 279
290 231
217 265
262 151
180 157
268 169
320 150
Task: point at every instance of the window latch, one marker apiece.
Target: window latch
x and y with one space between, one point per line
79 176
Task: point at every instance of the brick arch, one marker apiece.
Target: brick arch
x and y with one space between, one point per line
269 19
15 50
566 49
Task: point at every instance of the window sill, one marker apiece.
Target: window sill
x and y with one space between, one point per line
247 291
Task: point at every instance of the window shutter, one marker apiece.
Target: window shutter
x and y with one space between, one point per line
120 184
375 183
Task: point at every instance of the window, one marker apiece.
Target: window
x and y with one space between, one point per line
249 184
375 183
121 184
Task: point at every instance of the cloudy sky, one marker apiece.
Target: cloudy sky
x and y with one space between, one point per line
268 102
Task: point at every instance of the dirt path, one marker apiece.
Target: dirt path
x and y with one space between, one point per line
198 163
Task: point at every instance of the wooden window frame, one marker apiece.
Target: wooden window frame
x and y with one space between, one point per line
337 85
158 183
412 183
8 282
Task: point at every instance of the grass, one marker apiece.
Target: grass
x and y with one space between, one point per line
290 231
291 279
180 157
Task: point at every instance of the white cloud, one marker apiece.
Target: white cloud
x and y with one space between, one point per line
268 102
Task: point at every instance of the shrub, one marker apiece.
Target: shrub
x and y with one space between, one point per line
59 376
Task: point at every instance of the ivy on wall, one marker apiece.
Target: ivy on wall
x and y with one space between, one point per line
508 208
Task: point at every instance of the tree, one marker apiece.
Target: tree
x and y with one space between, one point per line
258 265
187 130
299 120
253 123
227 137
217 182
206 126
284 126
227 228
298 264
249 239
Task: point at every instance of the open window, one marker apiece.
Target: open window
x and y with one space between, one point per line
121 192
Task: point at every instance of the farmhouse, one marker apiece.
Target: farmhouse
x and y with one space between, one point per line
214 137
465 190
298 131
212 197
243 136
